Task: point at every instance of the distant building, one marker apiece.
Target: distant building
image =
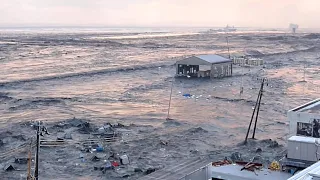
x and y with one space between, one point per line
213 66
246 61
243 59
305 120
293 27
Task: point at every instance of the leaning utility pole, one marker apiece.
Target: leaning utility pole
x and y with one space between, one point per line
256 107
255 123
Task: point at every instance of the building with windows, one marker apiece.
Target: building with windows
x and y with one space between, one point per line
213 66
305 120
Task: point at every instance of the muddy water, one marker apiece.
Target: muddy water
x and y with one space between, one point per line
56 76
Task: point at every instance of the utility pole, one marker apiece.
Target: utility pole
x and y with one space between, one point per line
36 170
304 71
255 124
254 110
228 46
170 101
257 107
241 86
40 130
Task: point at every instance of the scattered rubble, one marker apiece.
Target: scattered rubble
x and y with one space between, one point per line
79 144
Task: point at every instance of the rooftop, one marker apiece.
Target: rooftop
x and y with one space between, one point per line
310 107
308 173
178 171
213 58
207 59
234 172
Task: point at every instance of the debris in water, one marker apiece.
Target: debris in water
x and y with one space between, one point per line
150 170
259 150
9 167
236 156
21 160
95 159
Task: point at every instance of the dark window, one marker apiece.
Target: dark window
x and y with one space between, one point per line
304 129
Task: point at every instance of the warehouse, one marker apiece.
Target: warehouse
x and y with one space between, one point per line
213 66
305 120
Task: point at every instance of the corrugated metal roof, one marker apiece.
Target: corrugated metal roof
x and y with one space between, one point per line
307 173
178 171
234 172
213 58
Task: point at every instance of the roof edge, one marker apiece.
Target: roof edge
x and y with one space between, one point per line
304 105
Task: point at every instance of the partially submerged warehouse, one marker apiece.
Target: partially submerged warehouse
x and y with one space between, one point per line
211 65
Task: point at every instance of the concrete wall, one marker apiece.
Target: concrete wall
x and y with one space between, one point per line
296 116
221 70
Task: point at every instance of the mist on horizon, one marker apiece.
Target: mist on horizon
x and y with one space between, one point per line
197 13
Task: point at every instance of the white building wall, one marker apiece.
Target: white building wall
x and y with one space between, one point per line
295 116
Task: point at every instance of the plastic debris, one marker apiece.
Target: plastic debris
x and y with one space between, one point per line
115 164
108 164
164 143
187 95
275 166
99 149
124 159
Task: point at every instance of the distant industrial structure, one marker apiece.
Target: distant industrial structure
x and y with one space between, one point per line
293 27
213 66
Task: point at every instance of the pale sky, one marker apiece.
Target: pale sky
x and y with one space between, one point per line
208 13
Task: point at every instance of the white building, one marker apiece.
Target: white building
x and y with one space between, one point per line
305 120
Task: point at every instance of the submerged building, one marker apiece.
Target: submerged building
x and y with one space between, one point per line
213 66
